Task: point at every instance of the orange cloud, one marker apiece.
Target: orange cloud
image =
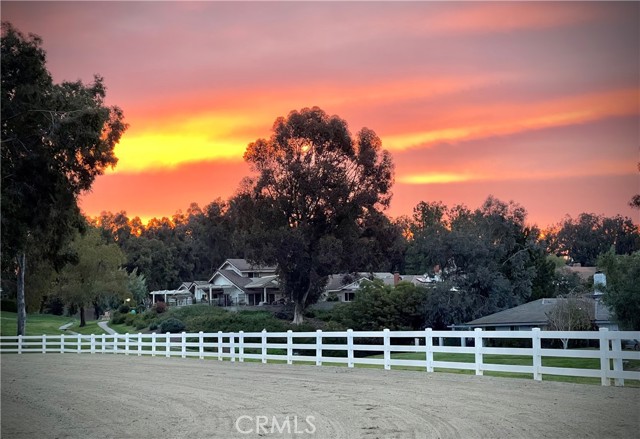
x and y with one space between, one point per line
505 16
503 119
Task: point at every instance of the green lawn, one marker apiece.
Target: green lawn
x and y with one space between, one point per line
88 329
37 324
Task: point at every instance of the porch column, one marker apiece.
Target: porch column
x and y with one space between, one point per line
265 296
165 298
209 294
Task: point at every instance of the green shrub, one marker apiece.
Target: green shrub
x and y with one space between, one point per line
117 318
124 309
130 319
172 325
153 326
140 324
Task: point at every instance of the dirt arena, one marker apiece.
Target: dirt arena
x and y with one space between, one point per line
108 396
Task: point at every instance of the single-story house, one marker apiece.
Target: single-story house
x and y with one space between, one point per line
536 315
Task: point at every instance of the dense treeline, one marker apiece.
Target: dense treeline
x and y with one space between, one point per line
490 258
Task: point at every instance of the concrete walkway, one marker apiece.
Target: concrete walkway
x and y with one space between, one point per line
66 327
106 328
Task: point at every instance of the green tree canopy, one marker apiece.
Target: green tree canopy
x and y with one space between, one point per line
56 138
95 276
316 203
622 293
488 257
590 235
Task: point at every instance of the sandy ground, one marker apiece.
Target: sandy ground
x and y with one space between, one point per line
108 396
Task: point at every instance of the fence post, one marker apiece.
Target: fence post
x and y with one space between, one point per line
232 346
289 346
183 344
319 347
62 343
126 343
200 345
616 345
139 344
428 348
387 349
349 347
115 343
103 341
153 344
220 346
241 346
79 344
604 357
93 344
44 343
536 346
478 348
167 344
264 345
20 344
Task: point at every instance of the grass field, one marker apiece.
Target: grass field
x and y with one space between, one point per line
38 324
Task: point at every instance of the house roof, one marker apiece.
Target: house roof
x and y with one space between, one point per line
201 282
534 313
264 282
234 278
244 265
530 313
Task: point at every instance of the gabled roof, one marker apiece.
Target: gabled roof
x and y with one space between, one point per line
200 282
244 265
233 277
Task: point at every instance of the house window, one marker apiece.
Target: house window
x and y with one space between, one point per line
348 297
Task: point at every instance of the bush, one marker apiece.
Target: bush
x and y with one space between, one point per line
140 324
124 309
172 325
153 326
8 305
117 318
130 319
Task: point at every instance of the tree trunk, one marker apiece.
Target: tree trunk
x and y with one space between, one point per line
82 322
22 307
298 314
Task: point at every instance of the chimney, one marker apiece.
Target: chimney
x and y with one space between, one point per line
396 278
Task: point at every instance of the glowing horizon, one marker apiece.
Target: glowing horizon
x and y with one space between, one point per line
533 102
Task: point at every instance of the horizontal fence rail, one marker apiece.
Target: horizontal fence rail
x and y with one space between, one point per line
377 348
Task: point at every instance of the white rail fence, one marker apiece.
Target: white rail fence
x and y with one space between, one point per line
348 347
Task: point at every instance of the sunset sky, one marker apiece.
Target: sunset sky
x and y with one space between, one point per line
533 102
